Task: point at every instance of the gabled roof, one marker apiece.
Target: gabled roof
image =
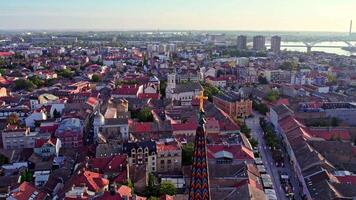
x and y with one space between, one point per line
109 164
234 151
26 191
94 181
192 125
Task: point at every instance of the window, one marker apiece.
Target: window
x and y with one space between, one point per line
162 162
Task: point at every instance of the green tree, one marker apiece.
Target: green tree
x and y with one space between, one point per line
65 73
131 184
162 88
56 114
260 107
262 80
95 78
22 84
153 198
3 159
187 153
145 115
13 119
36 81
253 142
152 188
2 71
26 176
289 65
272 96
210 91
167 187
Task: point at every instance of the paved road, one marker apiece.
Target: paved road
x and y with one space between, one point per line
257 133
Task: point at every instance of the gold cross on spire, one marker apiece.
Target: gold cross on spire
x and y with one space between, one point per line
201 98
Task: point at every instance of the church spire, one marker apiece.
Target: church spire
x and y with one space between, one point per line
199 182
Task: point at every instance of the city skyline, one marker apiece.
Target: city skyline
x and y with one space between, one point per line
254 15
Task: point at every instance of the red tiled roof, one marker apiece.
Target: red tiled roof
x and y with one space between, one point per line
330 134
127 90
282 101
167 147
141 127
238 151
124 191
25 190
40 142
148 96
4 54
351 179
92 101
109 164
4 81
184 126
94 181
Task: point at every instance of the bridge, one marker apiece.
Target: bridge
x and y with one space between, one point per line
310 45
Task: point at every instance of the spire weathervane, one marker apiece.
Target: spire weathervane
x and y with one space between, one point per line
201 98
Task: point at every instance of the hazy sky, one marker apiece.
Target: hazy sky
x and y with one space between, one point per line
270 15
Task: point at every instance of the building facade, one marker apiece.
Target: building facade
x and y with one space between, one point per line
259 43
276 44
70 132
241 42
14 137
169 157
142 153
233 104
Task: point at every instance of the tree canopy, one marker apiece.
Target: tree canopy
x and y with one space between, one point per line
187 153
145 115
23 84
167 187
289 65
272 96
95 78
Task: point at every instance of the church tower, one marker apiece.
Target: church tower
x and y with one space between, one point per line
199 181
171 84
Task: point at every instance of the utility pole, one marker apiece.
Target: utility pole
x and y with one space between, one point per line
350 33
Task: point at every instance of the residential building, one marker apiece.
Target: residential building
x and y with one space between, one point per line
142 153
233 104
169 157
47 148
27 191
259 43
219 82
14 137
276 44
241 42
70 132
184 92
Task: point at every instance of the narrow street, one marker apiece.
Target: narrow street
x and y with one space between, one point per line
257 133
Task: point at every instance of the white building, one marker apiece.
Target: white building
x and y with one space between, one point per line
184 92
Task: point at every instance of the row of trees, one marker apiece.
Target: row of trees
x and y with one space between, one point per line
272 96
247 131
270 135
260 107
32 83
210 90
